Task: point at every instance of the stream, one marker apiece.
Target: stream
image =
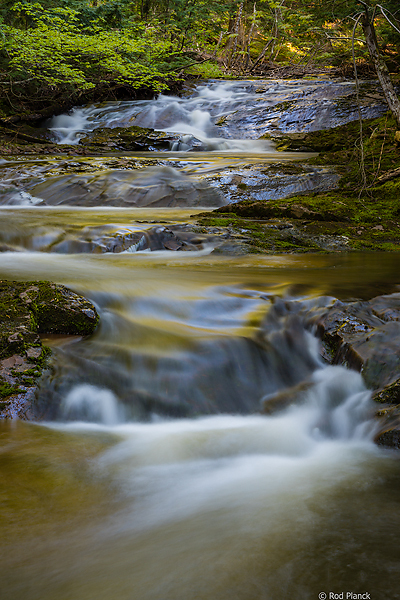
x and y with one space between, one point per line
153 475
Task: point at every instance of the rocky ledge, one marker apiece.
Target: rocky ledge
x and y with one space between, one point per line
28 309
360 335
365 336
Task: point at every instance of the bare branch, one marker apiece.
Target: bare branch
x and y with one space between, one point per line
16 82
387 18
345 38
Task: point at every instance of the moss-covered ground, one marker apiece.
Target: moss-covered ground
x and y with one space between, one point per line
362 214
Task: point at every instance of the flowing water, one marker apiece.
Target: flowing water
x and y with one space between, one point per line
153 475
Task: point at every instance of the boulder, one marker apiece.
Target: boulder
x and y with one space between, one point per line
133 138
28 309
366 336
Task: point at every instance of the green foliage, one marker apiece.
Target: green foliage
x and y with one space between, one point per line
75 47
206 70
52 48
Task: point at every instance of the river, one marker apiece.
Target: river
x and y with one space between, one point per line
153 476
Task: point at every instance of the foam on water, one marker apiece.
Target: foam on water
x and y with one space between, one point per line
92 404
194 117
229 462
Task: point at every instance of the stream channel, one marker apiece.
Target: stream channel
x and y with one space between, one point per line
153 476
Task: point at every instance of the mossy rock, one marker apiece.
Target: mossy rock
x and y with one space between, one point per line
333 221
390 394
128 138
26 310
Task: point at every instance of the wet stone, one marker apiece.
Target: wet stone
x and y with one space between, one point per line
149 187
366 336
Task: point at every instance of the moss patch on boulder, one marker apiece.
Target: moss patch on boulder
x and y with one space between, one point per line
362 214
127 138
26 310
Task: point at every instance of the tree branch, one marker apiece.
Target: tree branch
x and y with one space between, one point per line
387 19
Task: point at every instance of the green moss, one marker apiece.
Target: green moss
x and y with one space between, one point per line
42 360
354 217
7 390
28 380
332 221
26 309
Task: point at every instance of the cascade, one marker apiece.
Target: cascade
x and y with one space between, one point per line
158 469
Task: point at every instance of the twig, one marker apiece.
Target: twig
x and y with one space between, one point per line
387 18
199 62
345 38
380 156
390 175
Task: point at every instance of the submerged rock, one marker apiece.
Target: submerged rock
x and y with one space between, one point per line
149 187
10 195
260 183
283 399
28 309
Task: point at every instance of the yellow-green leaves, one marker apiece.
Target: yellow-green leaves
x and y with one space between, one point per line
56 50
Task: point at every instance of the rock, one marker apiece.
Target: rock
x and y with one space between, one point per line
129 138
160 186
285 398
361 336
388 434
259 184
27 309
366 336
133 138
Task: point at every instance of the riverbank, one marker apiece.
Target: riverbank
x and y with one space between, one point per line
362 214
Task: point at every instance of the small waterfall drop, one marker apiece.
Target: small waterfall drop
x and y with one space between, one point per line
222 116
91 404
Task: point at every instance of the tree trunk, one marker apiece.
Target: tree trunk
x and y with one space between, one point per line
248 60
262 54
380 66
239 15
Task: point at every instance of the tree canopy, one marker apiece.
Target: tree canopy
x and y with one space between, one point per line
75 47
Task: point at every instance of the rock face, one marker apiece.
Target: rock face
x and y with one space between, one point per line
361 335
366 336
26 310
